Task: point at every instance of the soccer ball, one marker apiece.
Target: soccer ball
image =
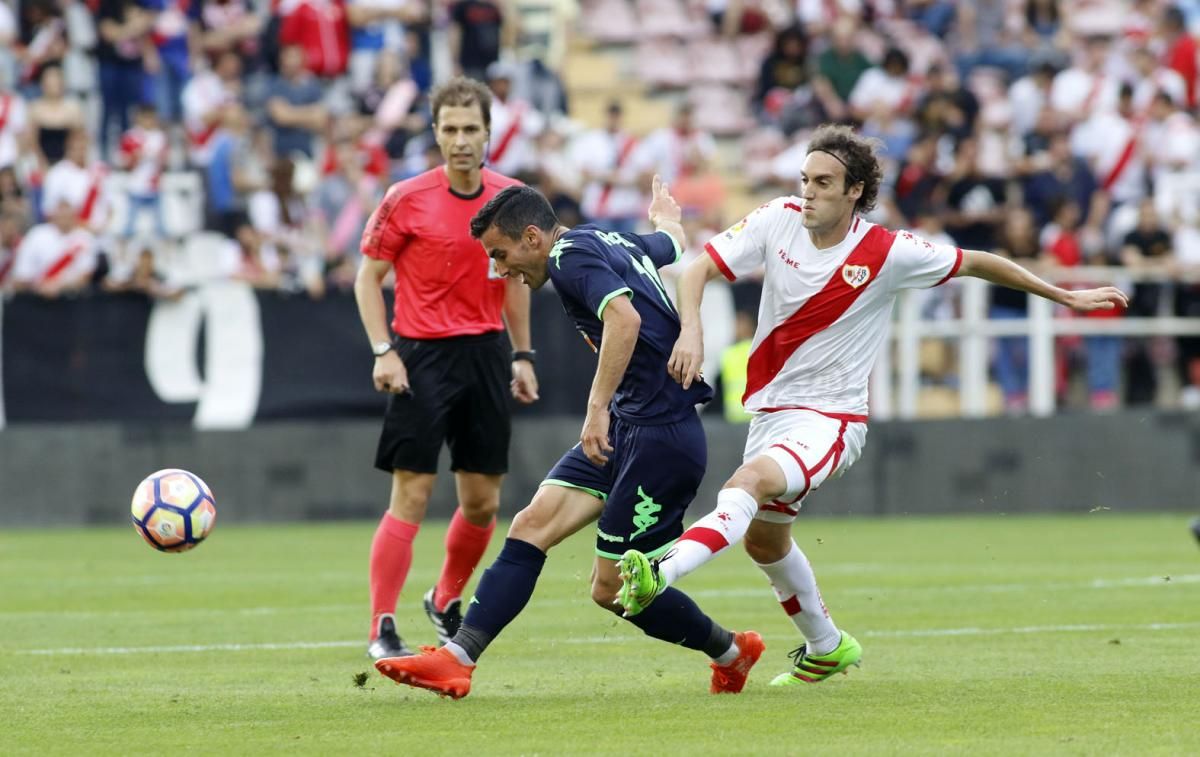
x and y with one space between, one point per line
173 510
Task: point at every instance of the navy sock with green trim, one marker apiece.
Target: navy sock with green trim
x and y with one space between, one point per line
674 618
503 591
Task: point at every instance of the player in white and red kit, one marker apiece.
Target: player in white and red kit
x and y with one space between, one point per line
830 284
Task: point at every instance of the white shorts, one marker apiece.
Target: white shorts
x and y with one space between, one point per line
810 447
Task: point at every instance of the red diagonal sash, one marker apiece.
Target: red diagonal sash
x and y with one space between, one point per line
605 191
62 263
514 128
818 312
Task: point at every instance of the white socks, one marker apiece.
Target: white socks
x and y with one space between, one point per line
796 587
711 535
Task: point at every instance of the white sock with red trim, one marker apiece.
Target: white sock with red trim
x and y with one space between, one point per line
796 588
711 535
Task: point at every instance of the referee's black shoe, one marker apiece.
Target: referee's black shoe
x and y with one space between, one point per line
448 621
387 643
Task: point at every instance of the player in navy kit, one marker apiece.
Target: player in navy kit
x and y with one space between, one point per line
641 453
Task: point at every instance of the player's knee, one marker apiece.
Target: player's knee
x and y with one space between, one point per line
748 480
604 593
480 512
767 543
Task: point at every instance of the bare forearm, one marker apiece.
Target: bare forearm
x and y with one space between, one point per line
1002 271
372 309
616 347
516 315
690 290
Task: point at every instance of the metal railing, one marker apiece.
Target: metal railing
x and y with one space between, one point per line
895 387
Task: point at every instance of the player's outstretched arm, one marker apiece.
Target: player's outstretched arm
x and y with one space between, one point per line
1002 271
687 356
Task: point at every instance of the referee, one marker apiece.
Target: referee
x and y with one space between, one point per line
450 367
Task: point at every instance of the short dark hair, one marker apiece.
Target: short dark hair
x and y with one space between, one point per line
512 210
461 92
859 157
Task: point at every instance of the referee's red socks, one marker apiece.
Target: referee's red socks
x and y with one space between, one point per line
465 545
391 556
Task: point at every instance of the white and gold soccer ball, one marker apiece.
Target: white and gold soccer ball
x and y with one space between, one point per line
173 510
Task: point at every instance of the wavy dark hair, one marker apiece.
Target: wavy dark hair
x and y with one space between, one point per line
462 92
858 154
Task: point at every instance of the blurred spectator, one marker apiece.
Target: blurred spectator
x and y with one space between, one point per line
1149 79
671 150
612 190
987 35
840 66
541 87
1029 96
1068 244
52 116
56 257
946 107
143 155
1085 88
1018 240
295 109
558 175
1186 242
11 230
784 94
206 99
43 36
351 184
14 205
1146 249
176 28
78 182
916 192
478 33
8 36
884 99
229 173
1111 142
1181 50
13 123
124 31
376 28
321 31
1056 176
733 368
976 203
230 26
393 103
515 125
1044 20
279 215
142 276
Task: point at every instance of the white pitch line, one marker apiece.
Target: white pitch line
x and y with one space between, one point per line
611 639
751 590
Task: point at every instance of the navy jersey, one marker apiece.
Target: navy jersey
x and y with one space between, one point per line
589 267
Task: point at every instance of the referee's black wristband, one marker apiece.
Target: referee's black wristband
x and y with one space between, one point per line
527 355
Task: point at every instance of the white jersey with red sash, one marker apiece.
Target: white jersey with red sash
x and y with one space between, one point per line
12 123
515 124
1080 94
203 97
1112 144
82 188
603 152
48 256
824 314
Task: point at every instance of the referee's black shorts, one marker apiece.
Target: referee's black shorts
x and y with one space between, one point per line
459 395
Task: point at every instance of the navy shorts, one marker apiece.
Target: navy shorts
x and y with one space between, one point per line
650 478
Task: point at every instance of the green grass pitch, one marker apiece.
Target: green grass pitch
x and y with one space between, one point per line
981 635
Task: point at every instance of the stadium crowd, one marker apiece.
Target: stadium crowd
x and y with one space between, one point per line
1059 132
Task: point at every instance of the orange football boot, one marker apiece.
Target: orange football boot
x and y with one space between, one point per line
436 669
731 678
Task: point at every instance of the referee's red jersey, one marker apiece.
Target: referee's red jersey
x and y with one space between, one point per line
444 280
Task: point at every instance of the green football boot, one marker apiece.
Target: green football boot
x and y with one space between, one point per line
816 668
640 582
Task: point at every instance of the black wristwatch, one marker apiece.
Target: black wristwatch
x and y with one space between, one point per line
530 356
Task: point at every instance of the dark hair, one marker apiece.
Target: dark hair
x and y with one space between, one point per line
461 92
512 210
858 156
